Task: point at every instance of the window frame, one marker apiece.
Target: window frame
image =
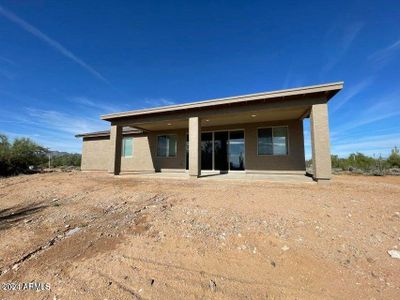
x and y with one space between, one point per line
287 142
176 146
124 138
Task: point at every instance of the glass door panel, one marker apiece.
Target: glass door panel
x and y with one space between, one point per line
236 150
206 151
221 150
187 152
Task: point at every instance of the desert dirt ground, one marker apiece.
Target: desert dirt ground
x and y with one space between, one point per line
95 236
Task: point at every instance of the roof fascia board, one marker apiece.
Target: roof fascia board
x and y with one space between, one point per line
337 86
104 134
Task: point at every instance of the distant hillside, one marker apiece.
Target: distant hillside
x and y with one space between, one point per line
60 153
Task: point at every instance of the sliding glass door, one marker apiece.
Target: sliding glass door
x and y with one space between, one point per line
221 151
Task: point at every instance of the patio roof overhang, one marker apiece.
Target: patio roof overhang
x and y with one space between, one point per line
269 106
106 133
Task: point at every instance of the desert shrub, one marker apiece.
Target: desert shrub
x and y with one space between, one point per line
361 161
16 157
24 153
66 160
394 159
340 163
4 155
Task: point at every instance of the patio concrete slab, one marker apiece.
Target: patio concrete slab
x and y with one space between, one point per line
288 178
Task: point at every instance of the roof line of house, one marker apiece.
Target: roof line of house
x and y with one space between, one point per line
332 87
104 133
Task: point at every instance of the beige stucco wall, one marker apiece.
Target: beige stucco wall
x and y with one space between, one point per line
96 151
170 163
142 158
95 154
294 161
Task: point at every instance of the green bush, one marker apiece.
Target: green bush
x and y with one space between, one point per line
24 153
4 155
66 160
18 156
359 162
394 158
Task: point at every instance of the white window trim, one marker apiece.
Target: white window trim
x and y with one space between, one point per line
123 146
287 143
176 146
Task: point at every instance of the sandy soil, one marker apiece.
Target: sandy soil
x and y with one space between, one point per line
93 236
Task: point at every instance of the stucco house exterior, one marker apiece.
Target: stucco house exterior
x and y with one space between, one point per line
255 133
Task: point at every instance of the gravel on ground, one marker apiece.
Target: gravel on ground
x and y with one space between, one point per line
96 236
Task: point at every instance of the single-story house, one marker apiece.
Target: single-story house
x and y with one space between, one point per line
253 133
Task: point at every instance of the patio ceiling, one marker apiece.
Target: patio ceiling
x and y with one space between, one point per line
212 120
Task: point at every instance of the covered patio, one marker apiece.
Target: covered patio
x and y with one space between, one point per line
252 134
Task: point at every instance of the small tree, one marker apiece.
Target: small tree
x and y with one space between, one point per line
24 153
380 166
394 158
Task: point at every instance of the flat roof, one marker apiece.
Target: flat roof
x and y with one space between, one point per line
125 130
329 88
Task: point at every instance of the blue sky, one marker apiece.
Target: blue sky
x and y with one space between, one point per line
63 63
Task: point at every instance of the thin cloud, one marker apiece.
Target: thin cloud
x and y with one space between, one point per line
61 143
62 122
344 43
159 102
96 105
350 34
383 56
368 120
291 82
378 144
352 92
381 109
13 135
7 74
52 129
7 60
50 42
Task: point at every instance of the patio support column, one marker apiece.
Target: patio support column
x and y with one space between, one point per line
194 147
115 144
321 154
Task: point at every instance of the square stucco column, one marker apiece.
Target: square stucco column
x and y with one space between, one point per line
194 147
115 153
321 154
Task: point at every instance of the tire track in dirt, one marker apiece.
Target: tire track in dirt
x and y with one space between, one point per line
96 223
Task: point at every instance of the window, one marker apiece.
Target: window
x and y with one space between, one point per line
127 146
273 141
166 145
